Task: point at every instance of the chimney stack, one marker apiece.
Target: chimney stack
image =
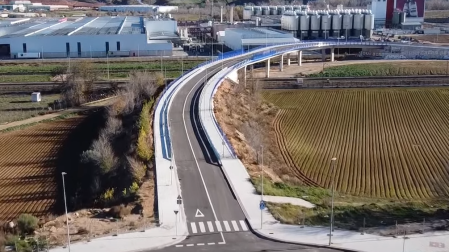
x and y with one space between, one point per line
221 14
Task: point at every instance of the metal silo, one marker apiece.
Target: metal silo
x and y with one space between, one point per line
402 17
248 12
369 25
336 24
265 10
290 22
358 19
347 24
290 8
396 17
315 25
257 10
304 23
281 10
326 25
273 10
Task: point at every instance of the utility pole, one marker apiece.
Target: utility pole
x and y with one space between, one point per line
66 215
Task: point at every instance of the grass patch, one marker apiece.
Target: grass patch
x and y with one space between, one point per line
314 195
19 106
352 217
23 126
385 69
24 78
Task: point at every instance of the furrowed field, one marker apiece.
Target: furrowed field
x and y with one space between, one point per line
391 143
27 168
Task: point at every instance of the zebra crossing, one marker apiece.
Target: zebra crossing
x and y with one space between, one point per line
217 226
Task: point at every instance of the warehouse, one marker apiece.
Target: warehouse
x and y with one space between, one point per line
247 38
87 37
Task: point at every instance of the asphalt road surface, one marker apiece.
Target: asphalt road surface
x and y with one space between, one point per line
214 218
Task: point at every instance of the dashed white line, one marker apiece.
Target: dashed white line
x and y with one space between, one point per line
193 226
190 245
211 243
222 243
210 226
200 244
234 224
202 227
178 246
227 227
243 225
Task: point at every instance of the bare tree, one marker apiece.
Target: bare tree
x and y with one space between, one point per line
78 82
252 132
141 86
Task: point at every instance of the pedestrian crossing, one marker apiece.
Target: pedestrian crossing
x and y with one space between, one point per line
217 226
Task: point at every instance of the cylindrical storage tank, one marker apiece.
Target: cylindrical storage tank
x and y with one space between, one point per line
402 18
247 13
304 21
369 22
315 25
336 22
288 8
281 10
273 10
358 24
257 11
326 25
347 21
265 10
297 8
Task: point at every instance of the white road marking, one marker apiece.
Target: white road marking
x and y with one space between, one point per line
243 225
211 243
200 244
234 224
227 227
190 245
198 213
178 246
222 243
218 224
210 226
193 226
202 227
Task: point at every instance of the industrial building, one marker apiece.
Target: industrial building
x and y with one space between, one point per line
87 37
241 38
305 24
141 8
28 6
404 14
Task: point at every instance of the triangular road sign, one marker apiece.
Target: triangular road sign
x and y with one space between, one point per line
199 213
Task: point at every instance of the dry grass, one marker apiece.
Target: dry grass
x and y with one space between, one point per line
436 14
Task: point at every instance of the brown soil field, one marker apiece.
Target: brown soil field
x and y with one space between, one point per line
389 142
28 165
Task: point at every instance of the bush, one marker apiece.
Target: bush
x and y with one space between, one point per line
143 149
137 169
108 195
101 155
119 212
27 223
134 188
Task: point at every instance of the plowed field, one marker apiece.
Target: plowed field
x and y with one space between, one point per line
27 168
391 142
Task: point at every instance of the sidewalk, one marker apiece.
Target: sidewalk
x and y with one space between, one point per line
263 223
150 239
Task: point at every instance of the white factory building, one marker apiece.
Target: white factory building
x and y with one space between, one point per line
247 38
141 8
23 6
87 37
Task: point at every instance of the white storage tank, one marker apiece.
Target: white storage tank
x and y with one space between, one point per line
290 8
347 24
326 25
369 25
248 13
336 22
358 19
257 10
315 24
304 23
265 10
273 10
281 10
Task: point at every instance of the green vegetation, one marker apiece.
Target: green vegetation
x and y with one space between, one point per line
144 151
43 72
15 107
27 223
386 69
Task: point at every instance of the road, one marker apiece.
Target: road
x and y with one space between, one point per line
214 218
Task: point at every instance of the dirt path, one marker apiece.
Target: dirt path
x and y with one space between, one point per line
314 67
86 106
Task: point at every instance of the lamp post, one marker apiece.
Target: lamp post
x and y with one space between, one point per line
66 215
333 160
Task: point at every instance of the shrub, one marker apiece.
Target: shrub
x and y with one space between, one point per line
134 188
108 195
137 169
27 223
101 155
143 149
119 211
23 246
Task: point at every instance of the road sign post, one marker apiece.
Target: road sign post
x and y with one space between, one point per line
176 222
262 207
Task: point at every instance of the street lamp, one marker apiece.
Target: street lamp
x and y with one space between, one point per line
66 215
333 160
